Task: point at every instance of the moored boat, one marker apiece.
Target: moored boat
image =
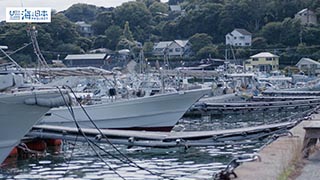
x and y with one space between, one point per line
158 112
19 111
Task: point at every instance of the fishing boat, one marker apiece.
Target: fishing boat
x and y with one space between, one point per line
19 111
159 112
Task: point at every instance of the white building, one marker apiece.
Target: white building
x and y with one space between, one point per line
306 17
309 66
177 48
239 37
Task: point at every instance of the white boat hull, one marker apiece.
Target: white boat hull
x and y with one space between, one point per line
17 118
158 112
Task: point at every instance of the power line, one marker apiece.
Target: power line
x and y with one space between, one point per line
277 48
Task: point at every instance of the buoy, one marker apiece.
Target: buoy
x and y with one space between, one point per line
37 145
14 152
53 142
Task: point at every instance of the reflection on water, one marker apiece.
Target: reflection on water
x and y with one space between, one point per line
175 163
78 161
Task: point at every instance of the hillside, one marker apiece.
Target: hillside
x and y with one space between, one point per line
204 22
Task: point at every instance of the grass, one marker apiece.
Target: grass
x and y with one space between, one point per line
293 169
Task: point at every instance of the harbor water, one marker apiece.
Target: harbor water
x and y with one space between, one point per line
77 160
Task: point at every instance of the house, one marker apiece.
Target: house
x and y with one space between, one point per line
176 48
306 17
239 37
84 29
85 60
263 61
309 66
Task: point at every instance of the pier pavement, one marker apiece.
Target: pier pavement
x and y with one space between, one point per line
277 159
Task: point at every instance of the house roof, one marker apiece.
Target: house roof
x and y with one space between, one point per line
85 56
175 7
182 43
162 44
101 50
263 55
305 10
310 61
242 31
82 24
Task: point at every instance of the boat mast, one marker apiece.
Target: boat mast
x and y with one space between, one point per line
42 63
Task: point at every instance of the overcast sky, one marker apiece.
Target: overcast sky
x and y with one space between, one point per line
54 4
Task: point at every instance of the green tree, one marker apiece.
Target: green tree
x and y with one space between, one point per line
208 51
136 13
127 33
125 44
200 40
102 22
147 48
310 35
169 31
158 9
61 29
148 3
14 35
159 12
303 50
84 43
204 18
279 10
234 14
290 34
272 32
100 41
69 48
113 34
259 43
81 12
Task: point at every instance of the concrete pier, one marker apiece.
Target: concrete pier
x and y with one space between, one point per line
277 157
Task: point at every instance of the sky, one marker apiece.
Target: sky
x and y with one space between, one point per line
58 5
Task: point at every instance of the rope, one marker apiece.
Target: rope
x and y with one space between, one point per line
110 143
70 109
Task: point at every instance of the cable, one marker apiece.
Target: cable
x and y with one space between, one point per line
70 109
72 151
18 66
108 141
15 51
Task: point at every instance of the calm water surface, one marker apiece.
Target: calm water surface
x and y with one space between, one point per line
78 161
